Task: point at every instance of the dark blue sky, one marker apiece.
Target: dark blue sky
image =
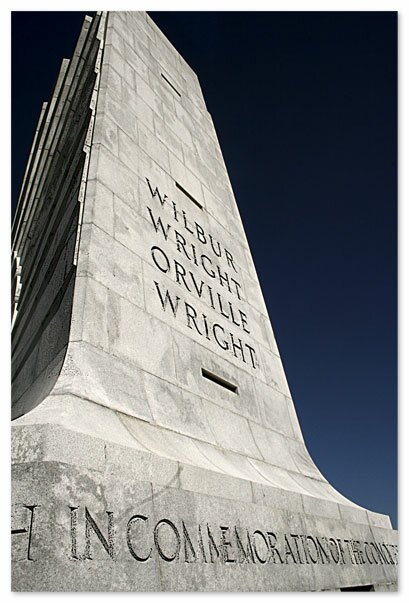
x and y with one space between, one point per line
305 108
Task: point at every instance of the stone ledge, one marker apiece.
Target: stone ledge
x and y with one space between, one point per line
68 430
76 529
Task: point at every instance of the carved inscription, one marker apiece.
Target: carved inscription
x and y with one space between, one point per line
91 526
23 534
205 269
147 539
174 541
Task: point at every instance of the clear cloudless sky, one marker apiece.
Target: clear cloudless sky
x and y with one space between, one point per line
305 107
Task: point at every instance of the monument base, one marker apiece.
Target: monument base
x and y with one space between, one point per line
101 503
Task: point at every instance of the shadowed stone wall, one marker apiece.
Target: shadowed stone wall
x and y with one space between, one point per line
46 227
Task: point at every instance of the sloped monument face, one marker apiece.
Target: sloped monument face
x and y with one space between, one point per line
155 442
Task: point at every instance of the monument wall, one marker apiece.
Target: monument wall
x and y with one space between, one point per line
157 445
45 228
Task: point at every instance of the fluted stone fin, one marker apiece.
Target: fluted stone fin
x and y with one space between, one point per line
45 228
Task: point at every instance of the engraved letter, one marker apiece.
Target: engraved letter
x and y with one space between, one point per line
252 355
191 315
28 531
261 559
230 260
180 273
157 543
158 225
167 300
288 551
156 192
223 344
107 544
211 272
200 233
74 521
225 544
369 557
134 554
272 541
155 251
187 545
217 251
308 540
212 545
333 549
245 554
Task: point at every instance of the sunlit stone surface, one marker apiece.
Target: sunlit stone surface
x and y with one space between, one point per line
155 441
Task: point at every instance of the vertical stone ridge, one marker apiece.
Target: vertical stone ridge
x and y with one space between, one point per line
88 138
46 224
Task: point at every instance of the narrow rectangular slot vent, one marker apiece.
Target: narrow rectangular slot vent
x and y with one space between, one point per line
220 381
365 587
171 85
188 195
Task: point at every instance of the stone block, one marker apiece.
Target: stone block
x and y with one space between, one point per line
106 134
151 145
274 409
99 207
119 271
238 437
177 409
115 176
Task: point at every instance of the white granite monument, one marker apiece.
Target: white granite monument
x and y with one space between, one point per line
155 442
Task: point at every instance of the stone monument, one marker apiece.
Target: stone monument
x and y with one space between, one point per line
155 444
